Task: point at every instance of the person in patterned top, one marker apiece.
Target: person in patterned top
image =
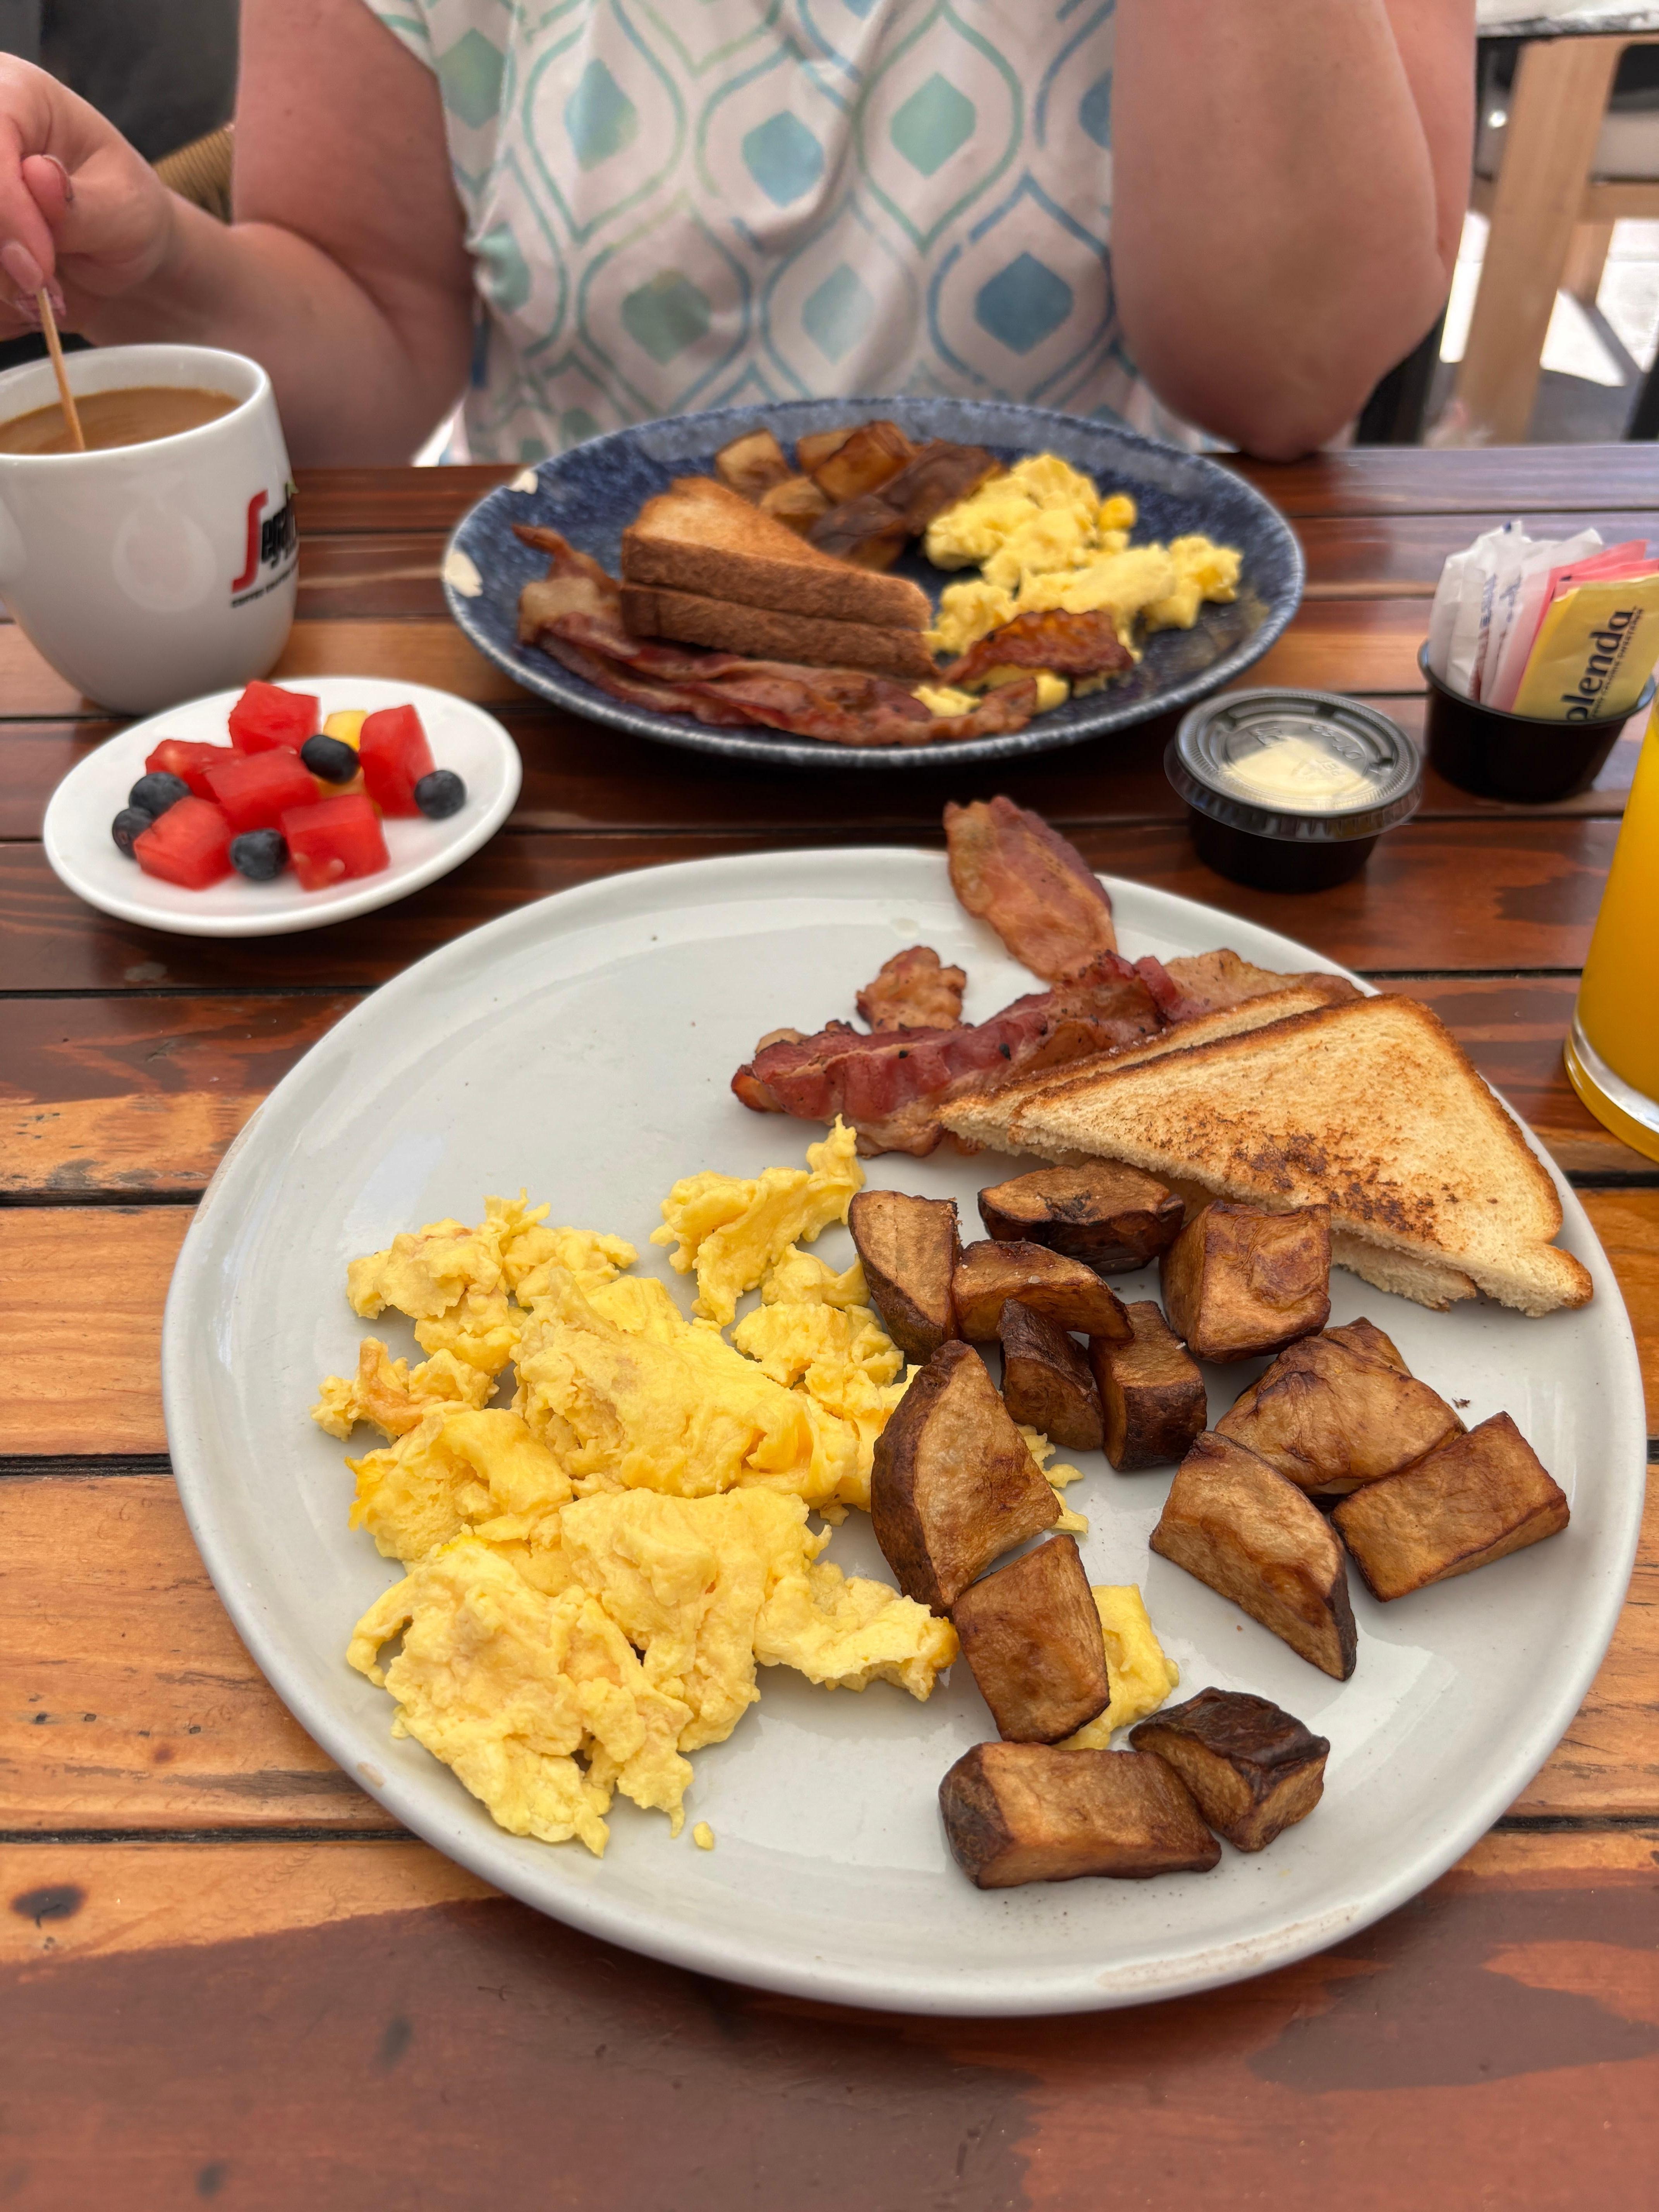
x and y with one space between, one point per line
1186 214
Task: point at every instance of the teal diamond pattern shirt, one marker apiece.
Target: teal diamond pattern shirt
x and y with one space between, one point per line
685 204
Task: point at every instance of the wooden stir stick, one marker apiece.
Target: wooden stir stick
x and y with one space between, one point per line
54 346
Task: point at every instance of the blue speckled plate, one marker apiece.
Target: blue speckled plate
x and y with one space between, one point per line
592 493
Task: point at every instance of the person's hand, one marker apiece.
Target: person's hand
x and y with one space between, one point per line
81 212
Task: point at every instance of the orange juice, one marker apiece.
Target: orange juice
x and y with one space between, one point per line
1612 1049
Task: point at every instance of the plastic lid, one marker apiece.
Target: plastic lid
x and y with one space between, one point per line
1307 767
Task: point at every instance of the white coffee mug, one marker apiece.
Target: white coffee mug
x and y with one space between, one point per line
150 574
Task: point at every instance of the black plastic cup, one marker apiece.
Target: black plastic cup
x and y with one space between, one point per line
1286 847
1519 757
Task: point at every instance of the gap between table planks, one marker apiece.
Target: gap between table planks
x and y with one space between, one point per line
314 2021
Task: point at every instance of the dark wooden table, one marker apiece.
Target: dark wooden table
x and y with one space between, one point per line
226 1978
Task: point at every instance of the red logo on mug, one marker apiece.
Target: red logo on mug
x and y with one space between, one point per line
251 570
268 541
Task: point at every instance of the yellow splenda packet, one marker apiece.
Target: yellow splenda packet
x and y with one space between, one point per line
1594 650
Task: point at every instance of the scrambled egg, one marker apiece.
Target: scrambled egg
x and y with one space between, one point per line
732 1228
1043 538
1069 1523
395 1399
1052 691
672 1406
1142 1677
596 1575
552 1662
457 1469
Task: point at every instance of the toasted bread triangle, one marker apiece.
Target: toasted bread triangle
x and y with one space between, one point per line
987 1117
700 536
1371 1108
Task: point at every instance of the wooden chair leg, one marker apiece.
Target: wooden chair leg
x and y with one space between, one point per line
1556 111
1587 257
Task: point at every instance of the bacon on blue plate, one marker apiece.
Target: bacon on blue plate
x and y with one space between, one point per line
574 614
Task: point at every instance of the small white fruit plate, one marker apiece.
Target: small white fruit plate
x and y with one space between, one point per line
85 856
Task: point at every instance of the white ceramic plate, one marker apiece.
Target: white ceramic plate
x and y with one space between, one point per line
583 1047
85 856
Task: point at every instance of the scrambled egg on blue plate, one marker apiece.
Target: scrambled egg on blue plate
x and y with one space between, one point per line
1042 537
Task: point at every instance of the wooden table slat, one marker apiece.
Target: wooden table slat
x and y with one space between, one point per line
576 777
1503 893
358 2016
1524 480
141 1095
82 1289
1346 644
136 1705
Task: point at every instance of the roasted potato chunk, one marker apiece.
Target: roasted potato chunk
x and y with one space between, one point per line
752 464
910 1247
874 453
1152 1400
796 501
1114 1217
1238 1525
1331 1417
1046 1380
1021 1812
1239 1280
814 448
1064 1291
1364 1336
1253 1770
954 1484
1032 1634
1475 1499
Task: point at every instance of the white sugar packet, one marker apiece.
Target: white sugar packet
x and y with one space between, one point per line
1494 552
1448 597
1512 553
1505 670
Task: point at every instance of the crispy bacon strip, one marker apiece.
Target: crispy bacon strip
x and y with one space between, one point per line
574 614
621 682
1010 707
1072 645
1210 982
891 1084
1037 892
913 991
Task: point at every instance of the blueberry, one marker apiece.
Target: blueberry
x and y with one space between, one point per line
131 821
440 793
331 758
259 854
158 791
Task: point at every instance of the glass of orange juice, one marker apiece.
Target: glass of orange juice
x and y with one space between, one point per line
1613 1046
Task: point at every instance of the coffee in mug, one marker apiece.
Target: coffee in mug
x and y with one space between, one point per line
164 564
132 417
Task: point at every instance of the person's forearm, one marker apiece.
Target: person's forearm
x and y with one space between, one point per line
1281 226
353 382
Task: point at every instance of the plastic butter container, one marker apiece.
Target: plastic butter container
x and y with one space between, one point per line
1289 790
